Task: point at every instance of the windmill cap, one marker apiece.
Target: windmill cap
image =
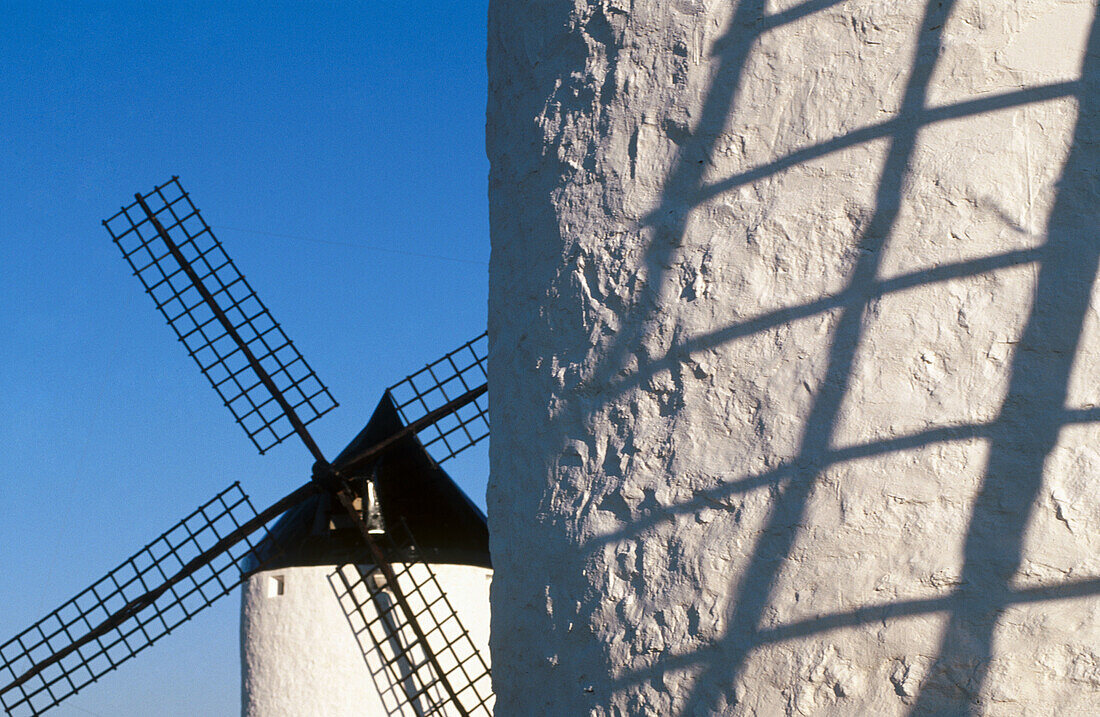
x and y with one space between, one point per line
414 494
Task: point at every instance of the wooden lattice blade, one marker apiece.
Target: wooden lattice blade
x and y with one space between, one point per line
257 371
447 400
397 640
163 585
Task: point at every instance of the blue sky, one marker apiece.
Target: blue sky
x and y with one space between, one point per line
338 152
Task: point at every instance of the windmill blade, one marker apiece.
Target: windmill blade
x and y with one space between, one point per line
398 610
256 370
445 402
422 659
160 587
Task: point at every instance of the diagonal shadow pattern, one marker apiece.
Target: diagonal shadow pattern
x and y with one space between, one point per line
755 588
789 469
875 289
1067 264
1027 430
750 20
872 614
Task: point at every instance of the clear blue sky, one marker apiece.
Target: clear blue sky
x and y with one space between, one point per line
356 128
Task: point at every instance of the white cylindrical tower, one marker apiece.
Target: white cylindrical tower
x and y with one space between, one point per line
795 357
321 630
307 647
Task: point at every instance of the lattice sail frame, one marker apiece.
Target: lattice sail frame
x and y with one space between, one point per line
146 570
457 373
395 656
206 300
197 326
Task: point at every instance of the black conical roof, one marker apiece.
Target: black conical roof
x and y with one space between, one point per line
411 489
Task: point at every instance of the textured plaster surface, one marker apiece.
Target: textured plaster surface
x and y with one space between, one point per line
795 357
304 652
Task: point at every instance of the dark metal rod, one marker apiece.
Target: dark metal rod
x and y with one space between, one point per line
136 605
347 498
353 464
292 416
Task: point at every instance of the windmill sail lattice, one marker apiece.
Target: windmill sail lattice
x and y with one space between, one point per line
458 380
397 656
216 314
273 393
146 597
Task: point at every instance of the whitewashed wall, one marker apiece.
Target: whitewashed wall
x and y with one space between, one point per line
795 357
301 655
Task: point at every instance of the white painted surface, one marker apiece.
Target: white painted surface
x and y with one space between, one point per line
301 654
794 357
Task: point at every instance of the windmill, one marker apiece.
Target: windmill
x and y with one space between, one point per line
383 512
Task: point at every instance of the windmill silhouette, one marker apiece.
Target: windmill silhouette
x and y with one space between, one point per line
383 509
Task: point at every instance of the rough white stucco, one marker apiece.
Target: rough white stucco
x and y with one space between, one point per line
304 650
795 357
